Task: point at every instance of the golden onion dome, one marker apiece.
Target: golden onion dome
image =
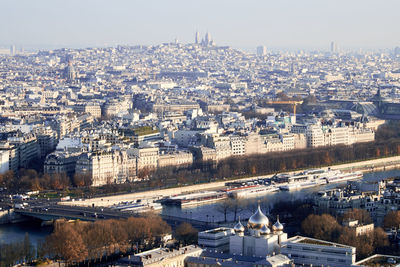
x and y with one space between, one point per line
277 226
265 230
258 220
238 227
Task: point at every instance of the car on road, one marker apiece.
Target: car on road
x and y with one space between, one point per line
391 261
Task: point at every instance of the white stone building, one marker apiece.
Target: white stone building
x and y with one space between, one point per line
146 157
107 167
177 158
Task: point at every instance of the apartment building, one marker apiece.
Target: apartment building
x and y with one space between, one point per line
47 140
27 148
8 157
146 157
238 145
107 167
176 158
318 136
61 162
315 136
92 108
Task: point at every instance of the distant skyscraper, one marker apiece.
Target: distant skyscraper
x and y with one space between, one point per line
261 50
13 50
207 38
334 48
197 38
397 51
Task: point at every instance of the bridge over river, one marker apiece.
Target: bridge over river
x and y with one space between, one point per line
54 212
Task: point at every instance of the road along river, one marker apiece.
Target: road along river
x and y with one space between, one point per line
365 166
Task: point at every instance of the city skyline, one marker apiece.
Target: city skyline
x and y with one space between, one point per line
284 24
176 133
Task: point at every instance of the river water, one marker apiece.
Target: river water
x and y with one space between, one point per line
210 212
16 232
214 212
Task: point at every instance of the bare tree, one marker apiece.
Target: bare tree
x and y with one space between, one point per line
223 207
237 205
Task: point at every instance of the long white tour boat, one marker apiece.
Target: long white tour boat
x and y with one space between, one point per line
315 177
195 198
251 191
342 177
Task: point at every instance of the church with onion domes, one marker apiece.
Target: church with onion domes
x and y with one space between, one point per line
262 244
255 244
257 239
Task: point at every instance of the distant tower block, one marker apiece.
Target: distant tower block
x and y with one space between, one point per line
334 48
197 38
207 38
13 50
397 51
261 50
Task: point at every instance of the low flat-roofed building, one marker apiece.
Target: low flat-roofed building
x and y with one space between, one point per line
379 260
225 260
305 250
217 239
161 257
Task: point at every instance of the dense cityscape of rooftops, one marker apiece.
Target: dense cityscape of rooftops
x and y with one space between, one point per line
96 117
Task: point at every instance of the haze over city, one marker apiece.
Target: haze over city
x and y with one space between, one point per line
309 24
199 134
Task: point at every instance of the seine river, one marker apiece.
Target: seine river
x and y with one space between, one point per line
212 212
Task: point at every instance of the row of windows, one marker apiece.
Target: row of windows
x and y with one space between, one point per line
316 258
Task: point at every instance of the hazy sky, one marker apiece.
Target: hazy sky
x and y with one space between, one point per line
245 23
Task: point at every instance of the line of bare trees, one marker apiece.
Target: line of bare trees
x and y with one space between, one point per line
93 242
89 243
328 228
30 179
261 164
17 252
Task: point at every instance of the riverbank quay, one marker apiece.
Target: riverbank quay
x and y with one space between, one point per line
10 216
364 166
